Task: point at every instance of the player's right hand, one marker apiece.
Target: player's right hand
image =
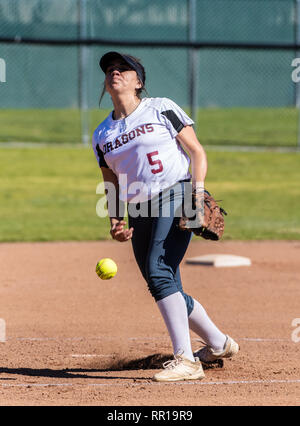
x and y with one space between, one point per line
119 232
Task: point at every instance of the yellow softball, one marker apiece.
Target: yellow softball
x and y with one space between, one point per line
106 269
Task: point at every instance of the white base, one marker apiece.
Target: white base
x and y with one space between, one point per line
219 260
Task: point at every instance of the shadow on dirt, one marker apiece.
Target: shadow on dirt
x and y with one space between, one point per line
150 362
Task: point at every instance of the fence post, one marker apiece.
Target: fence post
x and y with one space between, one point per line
83 72
193 62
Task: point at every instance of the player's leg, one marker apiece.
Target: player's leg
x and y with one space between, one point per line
166 250
218 345
144 230
168 245
201 324
205 328
159 267
199 321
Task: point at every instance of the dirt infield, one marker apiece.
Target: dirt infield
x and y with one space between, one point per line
72 339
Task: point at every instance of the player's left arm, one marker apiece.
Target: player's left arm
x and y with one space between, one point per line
189 141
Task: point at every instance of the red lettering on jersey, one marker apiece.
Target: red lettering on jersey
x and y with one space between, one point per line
117 143
149 128
131 134
155 162
109 147
140 130
124 138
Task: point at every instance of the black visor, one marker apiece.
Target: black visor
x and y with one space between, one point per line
106 60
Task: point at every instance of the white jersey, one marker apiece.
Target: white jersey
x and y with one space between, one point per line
142 149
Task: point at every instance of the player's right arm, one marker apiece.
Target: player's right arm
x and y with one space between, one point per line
117 222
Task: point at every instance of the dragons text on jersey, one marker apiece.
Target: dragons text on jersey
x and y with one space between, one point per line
126 137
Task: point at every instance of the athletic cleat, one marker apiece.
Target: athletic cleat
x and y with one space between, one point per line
208 355
180 368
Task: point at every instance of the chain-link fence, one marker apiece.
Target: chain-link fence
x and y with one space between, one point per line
227 62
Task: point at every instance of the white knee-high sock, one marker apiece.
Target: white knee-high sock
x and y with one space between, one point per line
174 311
202 325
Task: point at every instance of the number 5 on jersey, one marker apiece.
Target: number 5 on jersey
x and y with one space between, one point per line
155 162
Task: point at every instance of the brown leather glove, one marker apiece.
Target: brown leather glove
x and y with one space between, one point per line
208 219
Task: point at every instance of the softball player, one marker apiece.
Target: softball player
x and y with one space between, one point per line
141 150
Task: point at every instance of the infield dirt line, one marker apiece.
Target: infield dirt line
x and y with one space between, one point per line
91 356
181 383
44 339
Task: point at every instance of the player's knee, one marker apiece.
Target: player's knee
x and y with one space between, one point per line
160 284
158 275
156 285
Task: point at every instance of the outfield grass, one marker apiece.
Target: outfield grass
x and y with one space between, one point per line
248 126
49 193
231 126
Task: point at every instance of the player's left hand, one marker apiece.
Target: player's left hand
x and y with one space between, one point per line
119 232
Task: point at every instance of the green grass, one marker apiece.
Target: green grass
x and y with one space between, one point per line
37 125
49 194
260 192
231 126
248 126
